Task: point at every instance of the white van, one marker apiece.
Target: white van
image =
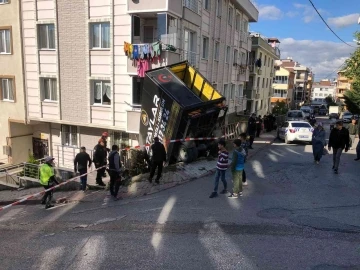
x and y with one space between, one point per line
295 115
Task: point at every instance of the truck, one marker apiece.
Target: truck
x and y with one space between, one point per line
334 109
177 102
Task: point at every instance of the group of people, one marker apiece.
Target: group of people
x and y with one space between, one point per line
256 124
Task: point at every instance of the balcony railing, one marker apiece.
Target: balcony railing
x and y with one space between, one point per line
190 56
193 5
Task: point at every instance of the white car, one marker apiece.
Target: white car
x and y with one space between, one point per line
295 131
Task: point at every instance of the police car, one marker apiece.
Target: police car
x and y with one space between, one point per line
295 131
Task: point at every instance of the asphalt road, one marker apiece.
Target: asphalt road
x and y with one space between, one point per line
294 215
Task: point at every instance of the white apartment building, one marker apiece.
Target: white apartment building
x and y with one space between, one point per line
80 83
322 90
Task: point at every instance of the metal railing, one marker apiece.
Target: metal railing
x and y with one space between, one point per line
66 155
190 56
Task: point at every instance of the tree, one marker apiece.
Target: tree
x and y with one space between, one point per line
352 71
280 108
330 101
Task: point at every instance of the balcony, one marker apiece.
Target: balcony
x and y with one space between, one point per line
249 8
145 6
261 41
192 11
192 57
342 78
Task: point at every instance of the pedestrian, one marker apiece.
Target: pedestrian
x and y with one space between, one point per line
81 163
353 131
266 123
115 172
259 123
100 161
237 167
47 180
158 159
318 142
104 137
245 146
251 130
221 167
338 140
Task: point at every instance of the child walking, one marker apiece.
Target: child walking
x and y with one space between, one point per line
221 167
245 146
237 167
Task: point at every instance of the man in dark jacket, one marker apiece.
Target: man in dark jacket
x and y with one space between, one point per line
115 172
338 140
81 162
100 161
158 159
251 129
353 131
259 123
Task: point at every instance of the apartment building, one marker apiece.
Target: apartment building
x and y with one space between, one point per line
83 77
343 85
264 53
15 136
309 85
322 90
283 86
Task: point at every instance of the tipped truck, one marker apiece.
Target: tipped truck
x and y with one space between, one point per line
177 102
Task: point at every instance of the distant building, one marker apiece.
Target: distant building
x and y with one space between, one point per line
283 86
322 90
343 85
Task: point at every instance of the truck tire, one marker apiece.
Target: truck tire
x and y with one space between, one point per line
183 153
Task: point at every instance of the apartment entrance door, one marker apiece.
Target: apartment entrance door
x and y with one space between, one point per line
40 148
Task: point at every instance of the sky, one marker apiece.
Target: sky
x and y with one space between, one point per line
305 37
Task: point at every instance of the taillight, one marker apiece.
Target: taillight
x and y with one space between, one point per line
292 130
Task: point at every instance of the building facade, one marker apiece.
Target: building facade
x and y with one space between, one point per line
264 53
343 85
321 90
83 77
283 87
16 136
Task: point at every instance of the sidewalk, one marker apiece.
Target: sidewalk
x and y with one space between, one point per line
139 186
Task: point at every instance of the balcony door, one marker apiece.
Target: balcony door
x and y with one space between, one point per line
189 46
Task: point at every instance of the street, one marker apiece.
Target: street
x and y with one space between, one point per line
294 215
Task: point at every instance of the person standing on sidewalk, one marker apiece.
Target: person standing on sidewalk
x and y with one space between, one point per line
47 180
245 146
158 159
251 129
115 172
353 131
100 161
259 123
221 167
237 167
81 162
104 137
318 142
338 140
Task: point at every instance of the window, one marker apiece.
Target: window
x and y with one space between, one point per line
120 139
260 57
280 79
240 90
101 93
49 89
218 7
100 35
232 92
258 82
190 46
243 58
267 82
321 94
192 4
226 91
205 48
69 135
136 26
46 36
5 41
4 1
230 15
265 61
7 89
216 51
235 59
238 22
263 82
137 85
207 4
280 93
227 55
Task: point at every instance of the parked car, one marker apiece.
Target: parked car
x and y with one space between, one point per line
346 117
295 131
307 110
333 116
295 115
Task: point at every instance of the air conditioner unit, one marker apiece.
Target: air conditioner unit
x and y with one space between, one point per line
7 150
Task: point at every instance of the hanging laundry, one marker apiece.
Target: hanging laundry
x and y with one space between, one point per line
142 66
136 52
127 48
131 51
151 52
141 51
157 49
146 51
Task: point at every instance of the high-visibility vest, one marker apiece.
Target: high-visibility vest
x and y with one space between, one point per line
46 172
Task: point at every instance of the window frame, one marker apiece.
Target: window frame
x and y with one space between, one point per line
238 22
4 2
216 50
232 91
226 90
207 5
73 131
205 48
230 15
92 47
50 84
12 80
235 56
93 85
218 8
227 54
47 37
4 29
141 82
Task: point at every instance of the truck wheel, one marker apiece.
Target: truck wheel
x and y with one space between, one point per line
183 153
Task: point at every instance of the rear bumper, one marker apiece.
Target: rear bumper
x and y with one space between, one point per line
296 137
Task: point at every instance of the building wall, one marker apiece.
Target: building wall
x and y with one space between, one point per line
11 67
